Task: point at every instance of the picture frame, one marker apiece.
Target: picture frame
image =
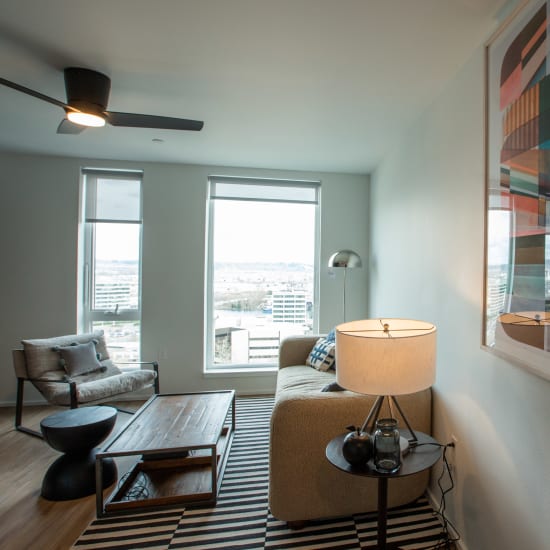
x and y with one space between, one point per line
516 316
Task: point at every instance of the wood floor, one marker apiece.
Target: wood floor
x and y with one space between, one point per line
27 521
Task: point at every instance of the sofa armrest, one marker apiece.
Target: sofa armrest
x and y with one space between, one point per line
294 350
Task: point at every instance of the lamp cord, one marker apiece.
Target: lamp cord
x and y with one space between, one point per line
446 539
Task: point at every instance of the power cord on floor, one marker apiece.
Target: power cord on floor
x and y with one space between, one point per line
446 539
138 490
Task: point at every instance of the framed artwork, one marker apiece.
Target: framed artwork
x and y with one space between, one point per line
517 222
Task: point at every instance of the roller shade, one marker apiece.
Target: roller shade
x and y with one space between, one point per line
113 196
242 189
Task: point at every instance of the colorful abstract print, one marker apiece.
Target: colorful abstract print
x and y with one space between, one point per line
525 160
525 106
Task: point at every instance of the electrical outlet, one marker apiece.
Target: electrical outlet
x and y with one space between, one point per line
451 454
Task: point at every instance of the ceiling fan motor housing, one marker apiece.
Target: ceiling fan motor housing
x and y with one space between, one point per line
87 90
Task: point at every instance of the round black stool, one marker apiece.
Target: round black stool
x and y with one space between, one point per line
76 432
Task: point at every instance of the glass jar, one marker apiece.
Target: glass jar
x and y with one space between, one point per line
387 452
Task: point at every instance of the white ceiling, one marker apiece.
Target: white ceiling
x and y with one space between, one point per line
296 84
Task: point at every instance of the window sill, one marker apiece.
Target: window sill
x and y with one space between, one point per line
237 371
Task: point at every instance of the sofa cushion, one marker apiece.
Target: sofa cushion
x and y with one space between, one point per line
322 356
40 356
302 381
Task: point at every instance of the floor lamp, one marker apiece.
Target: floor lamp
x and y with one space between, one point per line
347 259
386 358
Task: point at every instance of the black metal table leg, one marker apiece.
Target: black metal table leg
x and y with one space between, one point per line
382 511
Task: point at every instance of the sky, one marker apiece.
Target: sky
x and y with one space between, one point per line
264 232
244 232
117 241
498 237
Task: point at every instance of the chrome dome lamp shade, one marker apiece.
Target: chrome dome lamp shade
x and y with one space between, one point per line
345 258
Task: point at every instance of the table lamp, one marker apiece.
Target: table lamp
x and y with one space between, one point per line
386 358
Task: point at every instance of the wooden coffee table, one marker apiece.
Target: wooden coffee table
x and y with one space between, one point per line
182 441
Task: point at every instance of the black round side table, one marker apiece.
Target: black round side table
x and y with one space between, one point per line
76 433
418 459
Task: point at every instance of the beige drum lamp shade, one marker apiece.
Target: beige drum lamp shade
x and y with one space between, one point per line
386 356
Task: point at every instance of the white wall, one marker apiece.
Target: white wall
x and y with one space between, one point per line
427 211
38 276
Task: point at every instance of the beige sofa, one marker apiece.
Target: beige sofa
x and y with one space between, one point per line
303 485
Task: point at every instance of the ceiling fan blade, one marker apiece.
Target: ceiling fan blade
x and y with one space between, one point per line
33 93
68 127
134 120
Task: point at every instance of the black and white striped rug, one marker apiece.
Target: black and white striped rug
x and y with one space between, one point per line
241 520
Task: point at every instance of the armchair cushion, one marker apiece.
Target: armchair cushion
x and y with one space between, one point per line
79 359
95 386
40 356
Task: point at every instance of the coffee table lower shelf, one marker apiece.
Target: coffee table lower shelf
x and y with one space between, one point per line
159 479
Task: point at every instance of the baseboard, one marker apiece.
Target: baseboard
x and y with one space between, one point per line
254 394
135 396
28 403
435 501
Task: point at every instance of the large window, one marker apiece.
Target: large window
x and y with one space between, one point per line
111 294
261 272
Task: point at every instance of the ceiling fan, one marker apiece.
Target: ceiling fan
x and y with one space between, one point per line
87 98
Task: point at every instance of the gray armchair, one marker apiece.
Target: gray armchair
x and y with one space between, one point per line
75 370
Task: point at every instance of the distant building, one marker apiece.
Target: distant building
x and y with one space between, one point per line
109 295
289 307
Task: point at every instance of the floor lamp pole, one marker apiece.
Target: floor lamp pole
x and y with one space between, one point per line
345 274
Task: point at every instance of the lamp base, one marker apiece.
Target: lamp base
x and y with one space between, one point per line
368 425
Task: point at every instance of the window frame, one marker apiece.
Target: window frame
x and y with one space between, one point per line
88 314
209 367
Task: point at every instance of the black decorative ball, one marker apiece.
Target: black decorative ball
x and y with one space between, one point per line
357 448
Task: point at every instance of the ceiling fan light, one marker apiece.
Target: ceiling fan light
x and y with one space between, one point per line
86 119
